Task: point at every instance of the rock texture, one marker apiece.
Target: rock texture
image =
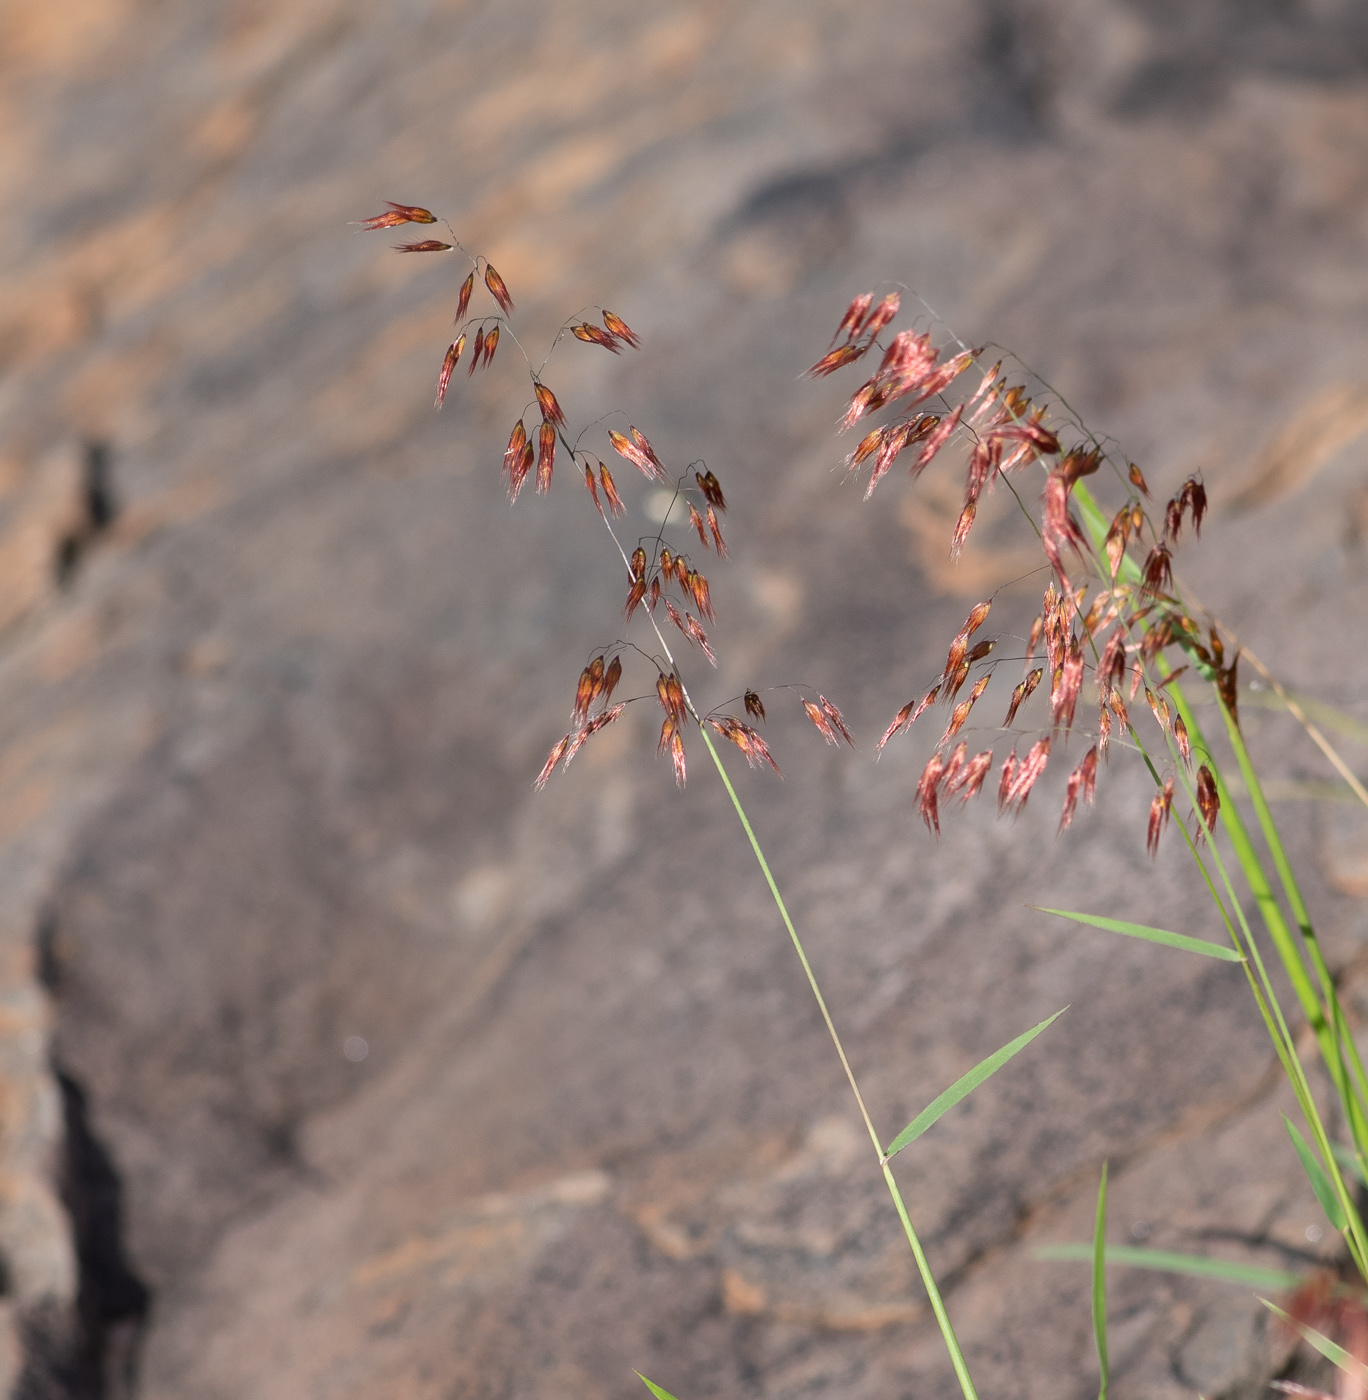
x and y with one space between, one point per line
277 668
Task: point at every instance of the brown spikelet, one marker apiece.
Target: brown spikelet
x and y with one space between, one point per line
818 717
476 351
591 485
1118 708
625 447
953 764
1137 677
1068 683
518 472
1037 628
882 314
1137 480
546 457
463 299
611 677
595 335
398 214
1117 538
926 793
1021 694
836 359
425 245
981 649
936 439
615 505
497 289
653 597
1104 725
1082 781
963 525
696 521
955 657
1159 811
549 767
644 447
698 635
747 740
716 532
634 596
677 757
550 407
927 700
1159 708
1197 502
698 588
755 706
711 489
1208 801
453 354
1112 665
637 563
621 330
491 344
590 684
1173 518
1158 572
1180 737
961 711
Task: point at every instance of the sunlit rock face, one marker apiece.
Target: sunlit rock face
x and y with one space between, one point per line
335 1060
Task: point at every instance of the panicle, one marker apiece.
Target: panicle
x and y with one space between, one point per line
1159 811
549 767
546 456
550 408
615 505
463 300
1208 801
926 793
711 489
425 245
755 706
1180 737
718 543
398 214
819 718
1021 694
453 354
619 328
497 289
1082 781
595 335
476 351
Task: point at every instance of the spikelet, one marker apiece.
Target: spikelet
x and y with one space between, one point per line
615 505
498 290
463 300
398 214
453 354
424 245
1160 809
1208 801
620 330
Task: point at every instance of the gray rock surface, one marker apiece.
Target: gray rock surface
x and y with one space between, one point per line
268 733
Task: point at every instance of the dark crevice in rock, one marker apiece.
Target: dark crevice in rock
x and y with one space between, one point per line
98 509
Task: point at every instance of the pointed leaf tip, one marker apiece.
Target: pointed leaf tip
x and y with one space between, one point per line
658 1391
1153 935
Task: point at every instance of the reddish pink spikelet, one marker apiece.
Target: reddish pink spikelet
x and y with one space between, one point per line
900 721
677 757
1208 800
928 699
448 364
549 767
1082 781
518 472
491 344
698 635
718 543
1021 694
926 793
747 740
698 589
970 778
836 359
639 453
1037 628
882 314
1159 708
637 563
855 313
938 438
696 521
463 300
950 776
711 488
1064 694
961 711
621 330
610 680
615 505
476 351
1138 480
1180 737
1160 809
1009 771
398 214
634 596
818 717
837 721
546 457
497 289
424 245
962 527
1031 767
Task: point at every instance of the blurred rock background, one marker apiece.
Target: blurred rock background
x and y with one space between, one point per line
335 1062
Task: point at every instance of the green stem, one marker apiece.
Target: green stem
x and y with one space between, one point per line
923 1265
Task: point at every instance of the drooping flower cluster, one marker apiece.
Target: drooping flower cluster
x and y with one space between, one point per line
1131 622
656 567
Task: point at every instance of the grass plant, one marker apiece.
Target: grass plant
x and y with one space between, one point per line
1112 623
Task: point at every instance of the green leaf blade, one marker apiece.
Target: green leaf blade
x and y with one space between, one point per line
1152 935
659 1392
1167 1261
1320 1183
964 1086
1099 1285
1332 1351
